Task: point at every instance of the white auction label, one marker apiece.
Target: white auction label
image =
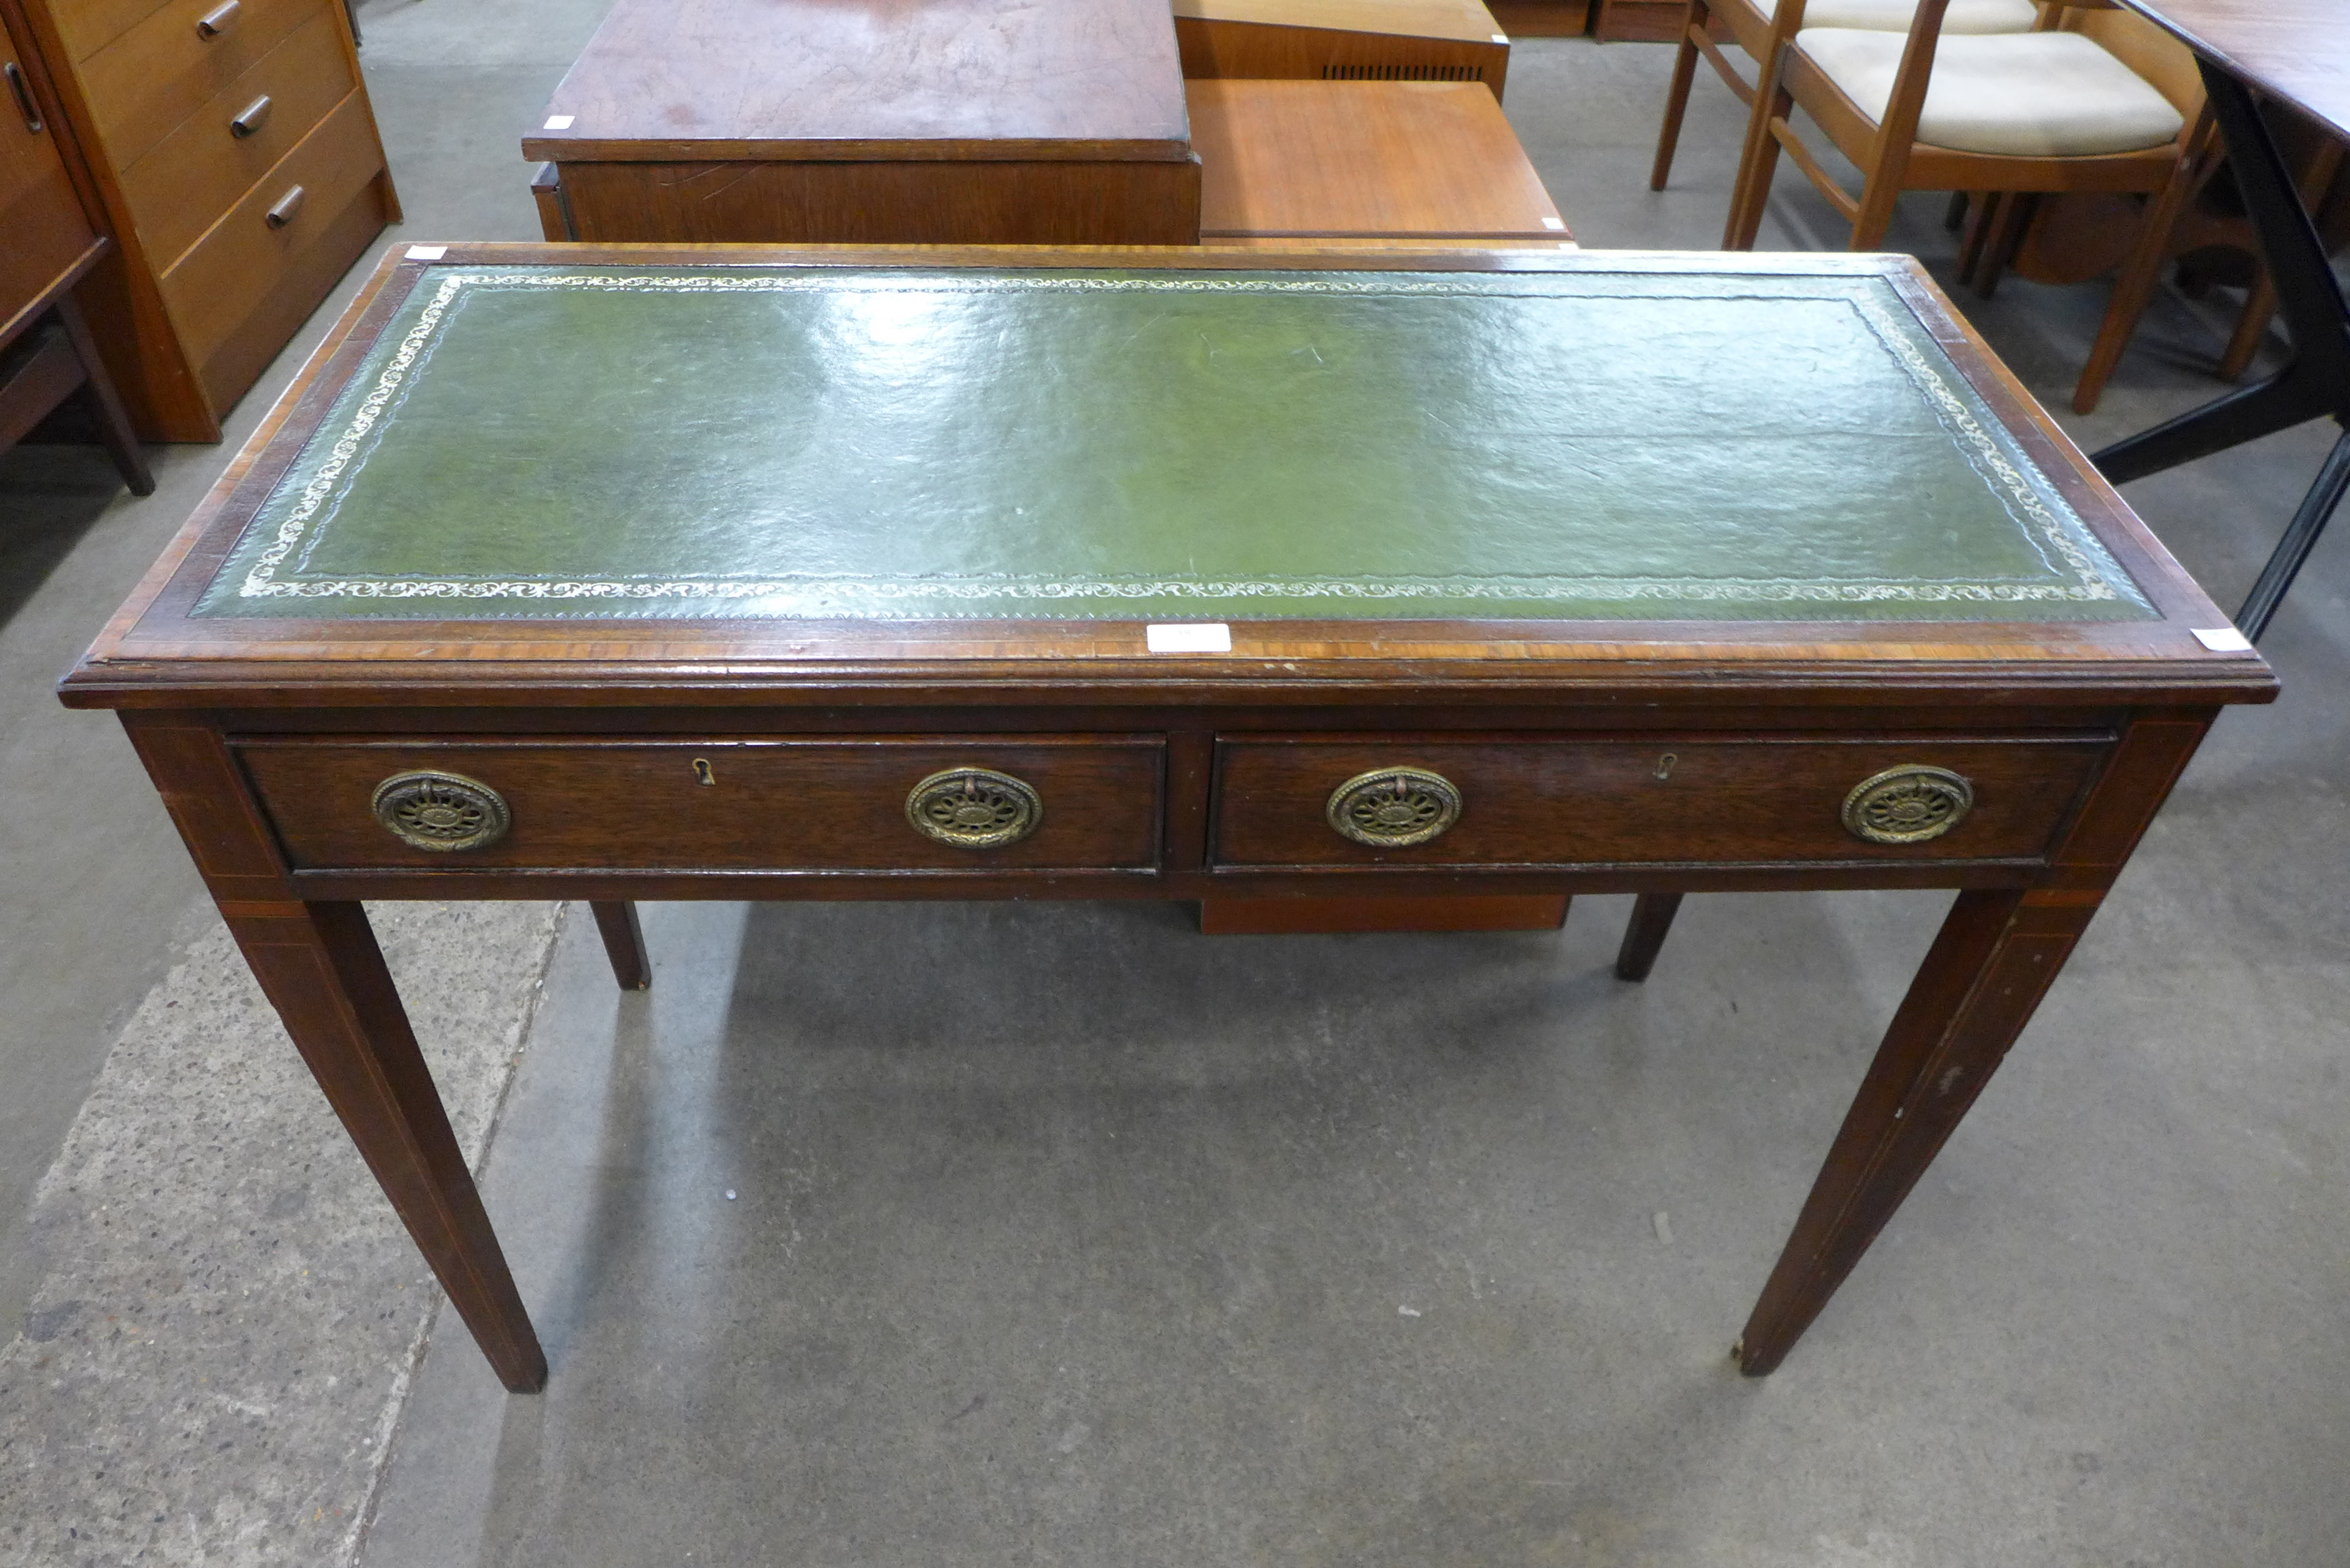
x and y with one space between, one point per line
559 121
2225 640
427 252
1198 637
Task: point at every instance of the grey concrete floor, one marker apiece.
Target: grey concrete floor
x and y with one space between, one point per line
1062 1234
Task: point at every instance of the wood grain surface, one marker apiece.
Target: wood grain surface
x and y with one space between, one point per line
2298 50
1296 159
715 80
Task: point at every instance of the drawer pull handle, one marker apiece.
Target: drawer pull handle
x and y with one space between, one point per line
1907 804
432 810
278 216
23 90
974 808
217 20
251 117
1394 808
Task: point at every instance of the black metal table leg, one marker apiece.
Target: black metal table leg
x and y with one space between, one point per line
2316 384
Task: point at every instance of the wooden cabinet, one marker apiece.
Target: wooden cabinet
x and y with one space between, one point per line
959 121
1343 41
1370 162
235 160
45 235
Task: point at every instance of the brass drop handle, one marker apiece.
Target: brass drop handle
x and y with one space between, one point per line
1393 808
974 808
23 90
428 809
278 216
217 20
251 117
1907 804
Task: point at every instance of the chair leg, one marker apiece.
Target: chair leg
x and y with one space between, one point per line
1757 164
1955 213
2260 310
106 403
1652 917
2135 287
2004 237
1676 97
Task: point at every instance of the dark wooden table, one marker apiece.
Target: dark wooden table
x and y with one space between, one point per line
2297 51
612 573
885 121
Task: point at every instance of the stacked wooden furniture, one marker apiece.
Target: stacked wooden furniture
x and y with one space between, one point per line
46 352
1343 40
235 159
1369 162
956 121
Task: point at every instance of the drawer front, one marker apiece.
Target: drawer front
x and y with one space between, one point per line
1670 799
206 165
729 804
144 83
229 274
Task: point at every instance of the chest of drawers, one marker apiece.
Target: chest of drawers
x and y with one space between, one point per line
233 150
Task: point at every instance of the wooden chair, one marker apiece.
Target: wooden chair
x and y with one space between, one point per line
2054 109
1748 25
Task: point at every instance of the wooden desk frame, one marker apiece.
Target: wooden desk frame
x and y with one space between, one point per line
191 693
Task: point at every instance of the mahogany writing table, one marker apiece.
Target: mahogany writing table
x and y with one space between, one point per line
618 573
1051 122
2299 51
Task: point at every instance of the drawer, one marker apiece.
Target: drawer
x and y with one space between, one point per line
204 167
834 805
227 276
1628 801
144 83
89 25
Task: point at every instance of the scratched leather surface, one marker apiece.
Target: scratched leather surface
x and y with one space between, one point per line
619 444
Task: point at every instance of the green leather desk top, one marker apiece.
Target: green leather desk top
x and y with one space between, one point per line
602 443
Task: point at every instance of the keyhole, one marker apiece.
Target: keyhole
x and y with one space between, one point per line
1665 766
701 774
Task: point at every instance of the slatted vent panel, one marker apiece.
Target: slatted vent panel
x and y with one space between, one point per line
1403 73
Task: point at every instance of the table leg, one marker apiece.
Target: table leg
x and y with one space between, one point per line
624 944
1986 972
320 968
1652 917
2317 381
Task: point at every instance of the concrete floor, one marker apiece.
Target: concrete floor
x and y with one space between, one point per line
1061 1234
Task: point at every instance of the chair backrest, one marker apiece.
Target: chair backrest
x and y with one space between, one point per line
2166 63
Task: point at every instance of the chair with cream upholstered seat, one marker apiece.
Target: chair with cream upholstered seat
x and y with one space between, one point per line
2052 110
1749 24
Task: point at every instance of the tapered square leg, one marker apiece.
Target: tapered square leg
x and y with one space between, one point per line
624 944
320 968
1652 917
1996 955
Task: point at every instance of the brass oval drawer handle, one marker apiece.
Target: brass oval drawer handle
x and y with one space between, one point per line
251 117
427 809
1394 808
217 20
974 808
1907 804
278 216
